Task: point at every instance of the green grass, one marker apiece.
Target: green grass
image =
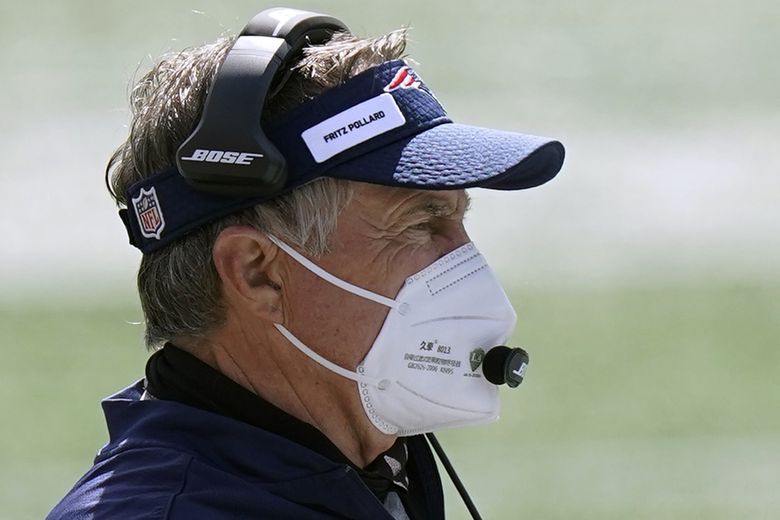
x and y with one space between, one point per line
640 403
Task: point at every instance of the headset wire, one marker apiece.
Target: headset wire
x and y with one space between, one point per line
453 476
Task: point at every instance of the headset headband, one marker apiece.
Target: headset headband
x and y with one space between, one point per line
229 154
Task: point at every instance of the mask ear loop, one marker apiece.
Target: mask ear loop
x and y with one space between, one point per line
381 384
338 282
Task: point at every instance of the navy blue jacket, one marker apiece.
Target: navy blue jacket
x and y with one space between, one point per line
167 460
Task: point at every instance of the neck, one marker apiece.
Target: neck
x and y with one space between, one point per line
284 377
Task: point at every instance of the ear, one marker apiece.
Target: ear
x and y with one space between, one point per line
248 266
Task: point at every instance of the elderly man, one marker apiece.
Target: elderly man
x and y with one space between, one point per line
312 299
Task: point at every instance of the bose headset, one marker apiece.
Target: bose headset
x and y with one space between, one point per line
229 155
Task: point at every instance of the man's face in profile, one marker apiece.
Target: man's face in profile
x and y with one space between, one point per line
383 235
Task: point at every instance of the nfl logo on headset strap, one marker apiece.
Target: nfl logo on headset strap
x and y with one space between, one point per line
148 213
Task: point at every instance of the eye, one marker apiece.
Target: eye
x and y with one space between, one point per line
422 226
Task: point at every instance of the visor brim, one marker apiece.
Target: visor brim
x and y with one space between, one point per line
453 156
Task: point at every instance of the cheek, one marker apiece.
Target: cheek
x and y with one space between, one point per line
334 323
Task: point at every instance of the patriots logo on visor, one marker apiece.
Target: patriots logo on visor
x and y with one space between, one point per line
406 77
149 214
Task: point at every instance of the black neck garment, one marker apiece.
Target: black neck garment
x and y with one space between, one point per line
173 374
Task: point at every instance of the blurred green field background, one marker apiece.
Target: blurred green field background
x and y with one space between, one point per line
644 402
646 277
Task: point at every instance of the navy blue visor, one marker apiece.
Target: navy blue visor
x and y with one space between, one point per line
383 126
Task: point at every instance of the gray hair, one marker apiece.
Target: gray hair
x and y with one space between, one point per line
179 287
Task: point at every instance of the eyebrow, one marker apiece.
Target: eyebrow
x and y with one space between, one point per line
436 207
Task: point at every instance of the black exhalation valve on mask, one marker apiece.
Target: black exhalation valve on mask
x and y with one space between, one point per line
505 365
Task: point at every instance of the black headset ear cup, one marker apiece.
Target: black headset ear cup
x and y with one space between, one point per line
228 154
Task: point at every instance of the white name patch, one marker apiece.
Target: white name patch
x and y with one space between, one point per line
353 126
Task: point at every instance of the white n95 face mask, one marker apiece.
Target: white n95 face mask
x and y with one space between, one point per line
423 373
